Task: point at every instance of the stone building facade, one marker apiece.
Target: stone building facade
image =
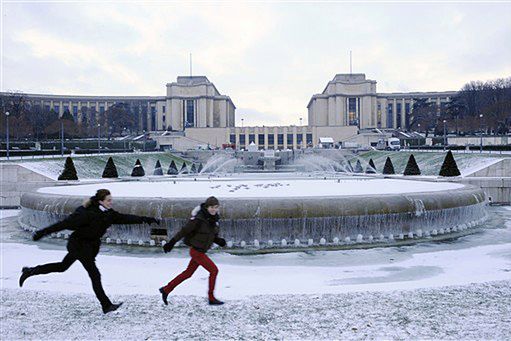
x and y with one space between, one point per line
352 100
189 102
195 108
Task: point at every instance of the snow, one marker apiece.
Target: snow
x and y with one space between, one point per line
460 313
451 290
257 188
8 213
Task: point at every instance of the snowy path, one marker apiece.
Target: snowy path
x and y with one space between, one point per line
472 312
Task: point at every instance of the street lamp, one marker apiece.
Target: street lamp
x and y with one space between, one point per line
242 123
7 132
124 139
445 136
418 138
99 138
481 130
300 121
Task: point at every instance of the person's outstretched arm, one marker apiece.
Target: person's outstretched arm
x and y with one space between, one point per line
120 218
186 230
75 220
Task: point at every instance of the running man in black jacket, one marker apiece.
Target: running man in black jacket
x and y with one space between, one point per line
89 223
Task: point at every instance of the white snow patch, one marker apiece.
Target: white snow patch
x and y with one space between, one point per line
257 188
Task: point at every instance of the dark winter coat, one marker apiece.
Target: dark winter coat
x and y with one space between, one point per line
201 231
89 224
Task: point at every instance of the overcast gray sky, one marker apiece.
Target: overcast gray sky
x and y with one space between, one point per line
270 58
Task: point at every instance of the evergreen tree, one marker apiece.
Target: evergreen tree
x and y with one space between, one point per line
138 170
193 169
69 172
389 167
184 169
371 168
172 169
110 170
449 167
200 168
358 167
411 167
157 168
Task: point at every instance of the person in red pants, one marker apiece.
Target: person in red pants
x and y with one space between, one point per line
199 233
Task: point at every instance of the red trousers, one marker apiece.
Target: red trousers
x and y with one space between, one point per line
198 258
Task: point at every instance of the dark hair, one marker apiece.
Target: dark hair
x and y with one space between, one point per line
211 201
100 195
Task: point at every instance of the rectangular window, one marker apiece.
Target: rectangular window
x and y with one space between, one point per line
299 139
101 109
162 118
309 138
56 108
407 115
190 114
390 115
47 107
271 139
153 121
232 138
163 109
260 139
251 138
398 115
280 139
66 108
352 111
242 140
289 139
75 110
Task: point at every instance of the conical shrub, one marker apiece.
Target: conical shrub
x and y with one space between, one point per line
157 168
449 167
200 168
69 172
371 168
389 167
411 167
138 170
184 169
358 167
110 170
172 169
193 169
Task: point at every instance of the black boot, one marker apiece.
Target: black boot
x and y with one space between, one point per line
164 296
214 301
26 272
111 307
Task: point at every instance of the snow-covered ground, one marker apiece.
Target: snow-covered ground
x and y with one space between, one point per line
452 290
257 188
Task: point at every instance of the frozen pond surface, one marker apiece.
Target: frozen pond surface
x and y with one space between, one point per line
247 188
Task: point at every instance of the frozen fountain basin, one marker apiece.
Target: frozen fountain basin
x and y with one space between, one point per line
264 212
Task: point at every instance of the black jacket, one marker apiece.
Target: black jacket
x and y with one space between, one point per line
201 231
90 223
